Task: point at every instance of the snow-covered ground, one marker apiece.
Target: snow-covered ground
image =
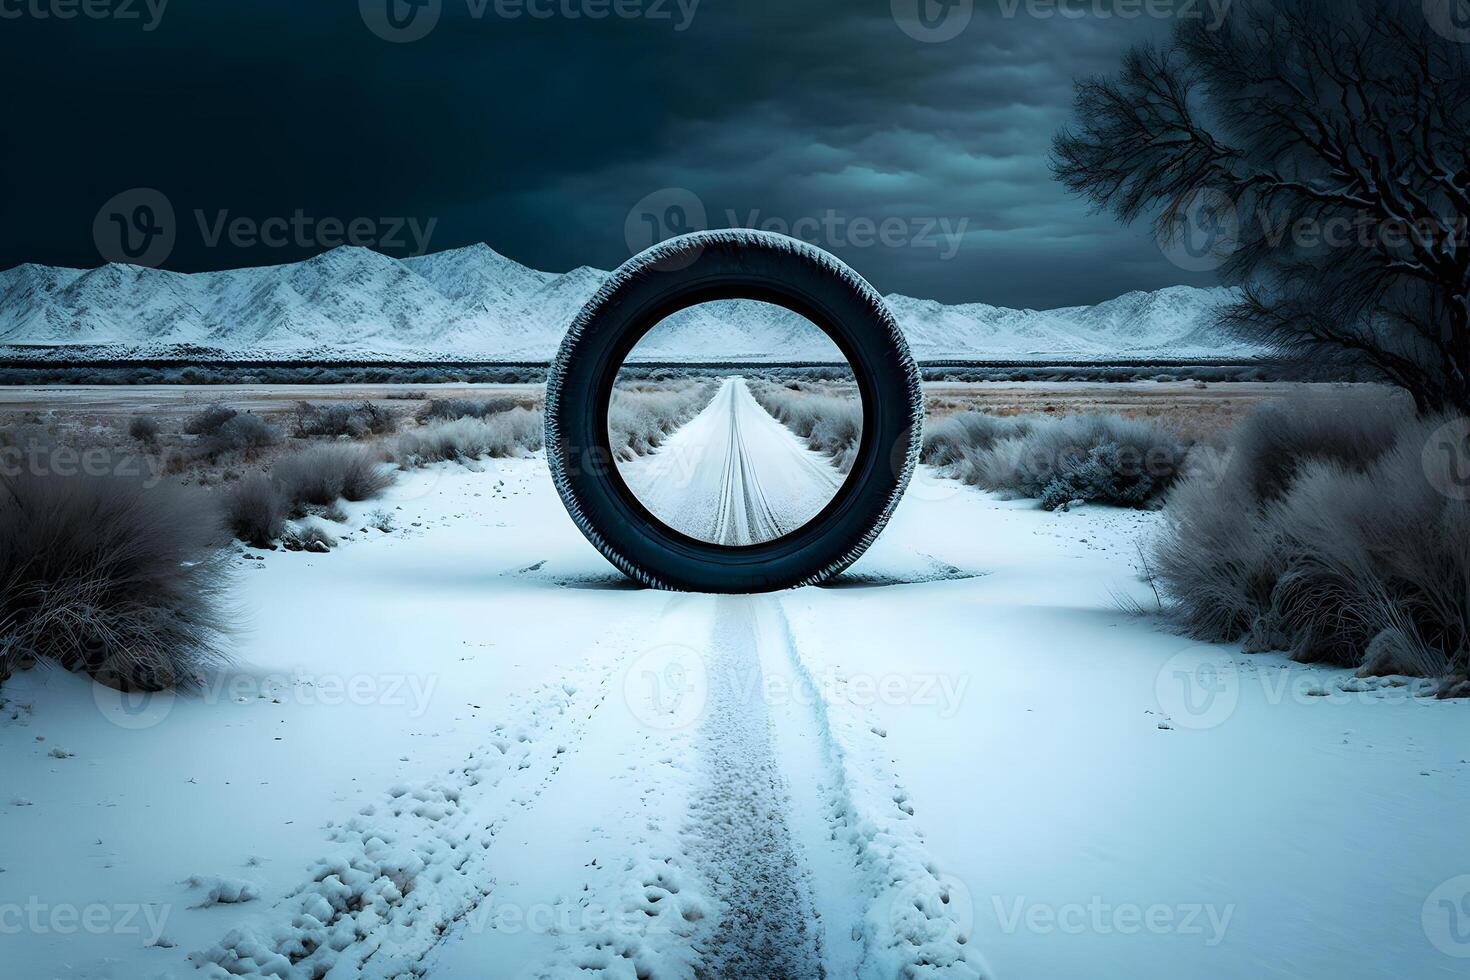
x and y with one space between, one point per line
468 749
733 474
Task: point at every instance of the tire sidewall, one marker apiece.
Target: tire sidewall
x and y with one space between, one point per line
702 268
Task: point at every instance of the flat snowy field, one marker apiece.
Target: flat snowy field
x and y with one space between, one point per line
468 749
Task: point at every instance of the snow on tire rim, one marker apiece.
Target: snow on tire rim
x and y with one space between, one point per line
705 267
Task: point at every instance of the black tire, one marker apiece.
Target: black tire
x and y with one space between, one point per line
700 268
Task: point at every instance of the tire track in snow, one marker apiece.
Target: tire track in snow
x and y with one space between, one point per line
916 921
739 826
733 474
745 515
404 870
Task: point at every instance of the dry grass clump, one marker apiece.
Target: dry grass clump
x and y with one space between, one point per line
515 432
144 429
257 506
221 431
828 417
1329 535
1093 458
109 576
256 510
335 421
322 474
444 409
948 439
641 416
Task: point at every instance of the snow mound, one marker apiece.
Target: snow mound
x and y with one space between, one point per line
222 891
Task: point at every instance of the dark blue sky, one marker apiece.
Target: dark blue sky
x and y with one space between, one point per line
920 162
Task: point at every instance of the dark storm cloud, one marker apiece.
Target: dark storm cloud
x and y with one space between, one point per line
922 164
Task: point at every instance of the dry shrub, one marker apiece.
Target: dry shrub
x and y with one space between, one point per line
947 439
828 418
322 474
515 432
1319 539
446 409
641 416
1096 458
144 429
335 421
110 576
255 510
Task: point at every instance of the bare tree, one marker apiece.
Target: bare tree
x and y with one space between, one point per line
1325 146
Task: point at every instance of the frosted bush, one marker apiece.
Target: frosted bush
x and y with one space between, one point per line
240 433
515 432
641 416
144 429
463 408
1095 458
255 510
352 421
110 576
323 474
947 438
828 417
1327 538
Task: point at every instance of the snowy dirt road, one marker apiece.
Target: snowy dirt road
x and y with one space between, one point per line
733 474
467 749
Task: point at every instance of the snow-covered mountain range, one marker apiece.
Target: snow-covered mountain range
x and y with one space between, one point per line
475 304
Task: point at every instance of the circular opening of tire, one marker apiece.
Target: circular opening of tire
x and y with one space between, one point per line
693 461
